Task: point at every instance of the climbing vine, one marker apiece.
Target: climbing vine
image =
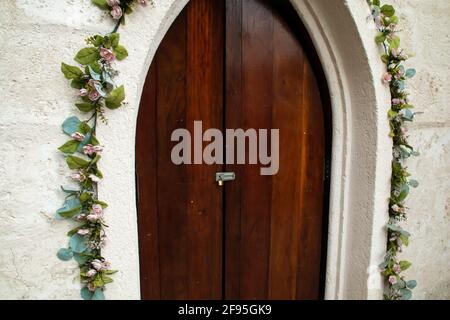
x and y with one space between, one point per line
98 92
400 113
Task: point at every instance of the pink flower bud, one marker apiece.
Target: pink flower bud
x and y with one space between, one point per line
107 55
93 217
397 269
143 2
113 3
91 287
116 12
83 92
97 209
83 232
77 136
91 273
396 101
78 177
387 77
88 149
392 280
94 178
98 149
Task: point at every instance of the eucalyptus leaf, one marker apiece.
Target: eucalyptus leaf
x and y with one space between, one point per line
86 294
78 243
406 294
65 254
94 74
98 295
413 183
411 284
71 208
70 125
410 73
69 191
80 258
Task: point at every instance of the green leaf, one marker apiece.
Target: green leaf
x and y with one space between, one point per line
103 204
120 52
380 38
94 140
114 38
85 106
392 113
78 243
388 10
410 73
65 254
403 193
84 197
394 42
115 98
69 191
404 265
87 55
376 3
71 72
69 147
70 125
102 4
77 83
76 162
80 258
96 76
385 58
71 208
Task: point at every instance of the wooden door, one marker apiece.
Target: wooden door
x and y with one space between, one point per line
232 64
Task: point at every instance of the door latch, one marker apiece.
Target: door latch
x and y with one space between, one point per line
222 177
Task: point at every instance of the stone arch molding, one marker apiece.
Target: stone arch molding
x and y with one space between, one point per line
361 155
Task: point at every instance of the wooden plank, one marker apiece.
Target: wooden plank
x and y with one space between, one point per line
205 103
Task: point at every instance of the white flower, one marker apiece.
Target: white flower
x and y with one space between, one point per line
91 273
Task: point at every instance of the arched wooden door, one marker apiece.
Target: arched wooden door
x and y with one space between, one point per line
232 64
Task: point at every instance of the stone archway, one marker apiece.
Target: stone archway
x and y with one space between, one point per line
343 37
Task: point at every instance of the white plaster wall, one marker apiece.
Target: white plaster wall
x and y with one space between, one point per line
35 36
426 33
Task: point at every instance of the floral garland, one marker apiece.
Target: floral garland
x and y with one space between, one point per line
98 92
399 114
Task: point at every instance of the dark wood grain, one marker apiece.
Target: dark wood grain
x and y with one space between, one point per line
234 64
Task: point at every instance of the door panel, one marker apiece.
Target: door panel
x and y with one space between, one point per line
180 219
273 223
232 64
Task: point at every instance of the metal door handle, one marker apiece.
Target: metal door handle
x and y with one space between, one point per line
222 177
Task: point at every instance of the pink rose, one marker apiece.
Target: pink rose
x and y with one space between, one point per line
77 136
81 217
387 77
396 101
97 209
88 149
83 92
107 55
93 217
83 232
91 273
78 177
392 279
113 3
94 95
397 269
116 12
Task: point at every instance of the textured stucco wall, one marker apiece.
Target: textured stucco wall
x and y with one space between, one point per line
35 36
426 33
